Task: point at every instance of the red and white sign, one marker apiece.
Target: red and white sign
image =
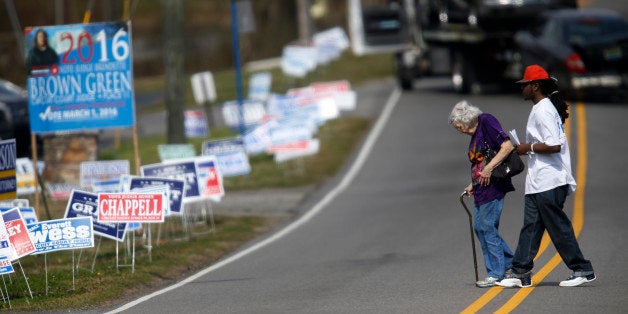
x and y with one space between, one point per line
19 237
130 207
331 87
292 146
213 186
312 148
209 177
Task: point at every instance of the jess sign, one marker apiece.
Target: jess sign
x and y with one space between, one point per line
80 77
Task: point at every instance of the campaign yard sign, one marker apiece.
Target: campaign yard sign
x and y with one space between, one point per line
209 177
230 154
130 207
180 169
252 110
175 151
16 202
20 239
113 185
8 182
6 251
103 170
85 204
80 77
203 87
62 234
259 86
157 189
296 150
258 139
175 189
61 191
298 60
28 213
5 265
25 175
195 124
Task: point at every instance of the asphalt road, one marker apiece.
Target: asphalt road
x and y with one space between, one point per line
389 235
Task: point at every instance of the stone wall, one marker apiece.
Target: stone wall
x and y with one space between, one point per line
64 154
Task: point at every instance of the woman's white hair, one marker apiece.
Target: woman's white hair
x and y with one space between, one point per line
464 113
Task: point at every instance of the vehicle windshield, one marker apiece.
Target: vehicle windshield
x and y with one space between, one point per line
589 29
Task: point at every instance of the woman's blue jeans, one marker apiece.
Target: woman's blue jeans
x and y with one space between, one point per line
497 254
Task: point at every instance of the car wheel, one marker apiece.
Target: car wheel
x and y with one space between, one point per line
463 75
405 75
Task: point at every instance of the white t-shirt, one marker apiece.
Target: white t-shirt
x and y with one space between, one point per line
547 171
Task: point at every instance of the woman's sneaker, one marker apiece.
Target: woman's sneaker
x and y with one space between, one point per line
514 280
487 282
573 280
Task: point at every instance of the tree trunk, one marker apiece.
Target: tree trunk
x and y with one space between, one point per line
173 63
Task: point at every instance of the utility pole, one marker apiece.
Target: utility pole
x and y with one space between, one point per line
15 23
305 21
173 62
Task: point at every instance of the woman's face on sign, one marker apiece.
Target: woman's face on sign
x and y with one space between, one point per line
41 40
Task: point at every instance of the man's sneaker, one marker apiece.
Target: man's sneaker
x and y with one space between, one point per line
487 282
573 280
513 280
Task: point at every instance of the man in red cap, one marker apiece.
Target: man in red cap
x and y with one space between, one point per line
548 182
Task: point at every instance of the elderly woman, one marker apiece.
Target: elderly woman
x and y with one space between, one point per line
489 145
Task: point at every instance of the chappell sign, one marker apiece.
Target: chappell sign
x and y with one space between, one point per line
79 77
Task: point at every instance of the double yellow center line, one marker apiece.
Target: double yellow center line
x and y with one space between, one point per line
577 222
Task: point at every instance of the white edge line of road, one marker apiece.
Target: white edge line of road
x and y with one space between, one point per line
353 171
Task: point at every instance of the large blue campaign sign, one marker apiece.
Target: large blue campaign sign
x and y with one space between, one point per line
79 77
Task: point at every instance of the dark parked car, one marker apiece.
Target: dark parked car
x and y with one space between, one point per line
14 121
586 50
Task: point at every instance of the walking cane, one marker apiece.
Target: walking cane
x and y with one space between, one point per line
475 259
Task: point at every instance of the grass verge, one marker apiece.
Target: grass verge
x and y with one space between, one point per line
55 287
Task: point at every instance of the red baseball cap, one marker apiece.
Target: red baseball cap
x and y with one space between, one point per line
534 73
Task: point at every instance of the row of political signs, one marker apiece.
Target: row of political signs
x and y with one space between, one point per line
281 125
80 77
300 58
107 206
286 125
